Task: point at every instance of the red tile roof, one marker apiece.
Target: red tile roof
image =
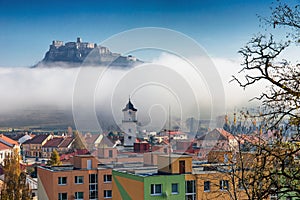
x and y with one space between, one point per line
225 133
7 140
172 132
77 152
217 134
4 146
250 138
175 132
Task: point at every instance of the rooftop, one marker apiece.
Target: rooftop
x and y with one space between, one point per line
144 172
4 146
129 106
176 156
7 140
217 134
66 142
38 139
54 142
15 136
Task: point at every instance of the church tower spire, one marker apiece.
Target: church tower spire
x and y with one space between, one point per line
129 123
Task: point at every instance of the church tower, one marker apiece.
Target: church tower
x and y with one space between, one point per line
129 124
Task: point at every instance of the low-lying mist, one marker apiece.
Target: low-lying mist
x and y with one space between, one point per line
166 86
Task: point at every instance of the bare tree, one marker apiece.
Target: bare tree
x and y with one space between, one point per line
275 169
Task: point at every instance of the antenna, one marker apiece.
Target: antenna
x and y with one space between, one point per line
169 138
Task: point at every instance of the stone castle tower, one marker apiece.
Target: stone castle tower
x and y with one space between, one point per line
129 124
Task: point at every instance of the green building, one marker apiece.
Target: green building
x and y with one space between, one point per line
148 186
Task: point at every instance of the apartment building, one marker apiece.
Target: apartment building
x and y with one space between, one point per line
81 180
177 178
168 183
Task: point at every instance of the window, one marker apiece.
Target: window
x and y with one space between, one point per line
110 153
174 188
224 185
89 164
181 166
107 178
62 180
78 195
190 190
107 194
156 189
79 179
206 186
62 196
93 186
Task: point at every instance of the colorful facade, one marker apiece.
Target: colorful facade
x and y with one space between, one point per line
82 180
177 179
148 186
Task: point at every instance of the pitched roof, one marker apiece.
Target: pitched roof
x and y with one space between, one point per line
129 106
91 138
59 142
7 140
217 134
67 156
174 133
66 142
250 138
15 136
4 146
106 142
38 139
54 142
225 133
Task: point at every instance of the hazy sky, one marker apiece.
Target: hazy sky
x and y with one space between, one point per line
29 26
222 27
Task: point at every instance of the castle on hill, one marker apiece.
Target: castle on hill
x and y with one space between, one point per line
85 52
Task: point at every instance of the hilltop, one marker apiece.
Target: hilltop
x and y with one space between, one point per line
74 54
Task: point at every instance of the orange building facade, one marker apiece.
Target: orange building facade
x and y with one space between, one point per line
82 180
177 177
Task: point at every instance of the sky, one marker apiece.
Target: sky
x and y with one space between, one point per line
28 27
221 28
